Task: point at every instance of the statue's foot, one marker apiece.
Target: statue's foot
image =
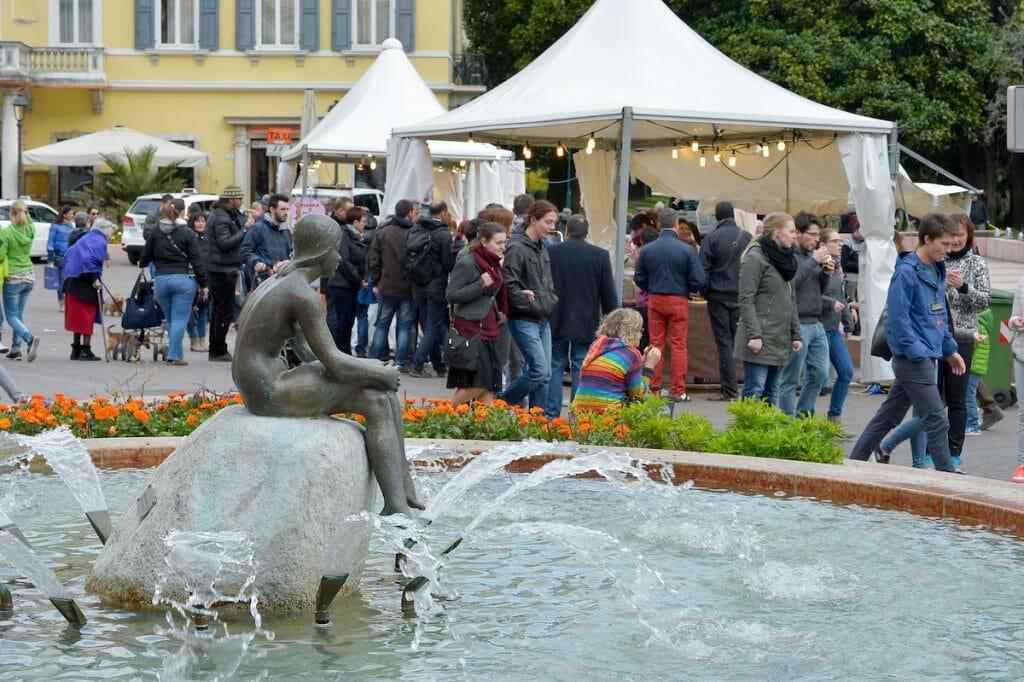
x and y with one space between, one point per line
390 509
413 502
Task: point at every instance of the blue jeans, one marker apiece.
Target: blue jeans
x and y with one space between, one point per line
761 382
362 328
534 341
916 385
576 353
389 307
813 353
198 330
15 298
912 430
174 295
839 355
973 422
431 306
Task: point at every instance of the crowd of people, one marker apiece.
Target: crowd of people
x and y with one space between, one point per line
781 303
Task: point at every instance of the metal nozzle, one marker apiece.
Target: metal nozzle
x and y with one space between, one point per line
200 621
69 609
6 602
330 585
100 521
16 532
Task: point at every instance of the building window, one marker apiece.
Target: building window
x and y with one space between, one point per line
374 22
277 23
177 22
74 18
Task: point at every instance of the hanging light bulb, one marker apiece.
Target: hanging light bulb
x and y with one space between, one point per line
462 163
718 156
591 144
782 145
470 138
732 159
703 160
527 154
373 164
765 151
695 146
675 153
559 150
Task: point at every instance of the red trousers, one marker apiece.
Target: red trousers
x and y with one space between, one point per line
671 315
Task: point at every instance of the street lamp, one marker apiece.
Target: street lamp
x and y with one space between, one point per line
20 105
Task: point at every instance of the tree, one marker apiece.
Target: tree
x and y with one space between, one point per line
137 176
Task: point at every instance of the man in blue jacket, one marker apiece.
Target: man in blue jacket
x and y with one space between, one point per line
669 270
268 243
919 336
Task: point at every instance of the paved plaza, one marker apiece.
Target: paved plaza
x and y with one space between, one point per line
993 454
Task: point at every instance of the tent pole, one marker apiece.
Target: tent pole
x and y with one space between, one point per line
788 210
568 179
305 169
622 197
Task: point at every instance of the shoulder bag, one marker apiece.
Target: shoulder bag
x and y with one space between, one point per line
141 310
879 345
458 351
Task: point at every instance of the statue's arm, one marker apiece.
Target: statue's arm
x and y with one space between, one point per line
316 338
301 348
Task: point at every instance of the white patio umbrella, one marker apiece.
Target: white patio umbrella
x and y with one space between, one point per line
88 150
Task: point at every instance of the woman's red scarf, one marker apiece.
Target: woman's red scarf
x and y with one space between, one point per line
491 264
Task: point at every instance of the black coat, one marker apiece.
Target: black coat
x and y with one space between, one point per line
226 228
582 275
351 269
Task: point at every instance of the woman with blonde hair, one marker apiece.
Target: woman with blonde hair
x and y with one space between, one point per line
769 329
19 279
614 371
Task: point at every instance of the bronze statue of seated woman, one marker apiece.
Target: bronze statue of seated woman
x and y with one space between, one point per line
286 310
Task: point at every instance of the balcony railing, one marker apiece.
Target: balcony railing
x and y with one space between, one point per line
469 69
52 65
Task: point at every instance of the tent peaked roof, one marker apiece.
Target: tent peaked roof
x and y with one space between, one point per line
86 150
676 79
391 93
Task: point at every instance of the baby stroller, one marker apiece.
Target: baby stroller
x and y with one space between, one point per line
142 316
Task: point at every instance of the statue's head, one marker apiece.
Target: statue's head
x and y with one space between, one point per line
315 238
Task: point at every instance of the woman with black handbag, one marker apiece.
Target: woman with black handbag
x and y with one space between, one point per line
174 251
476 292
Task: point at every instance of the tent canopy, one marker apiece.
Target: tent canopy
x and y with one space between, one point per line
920 198
679 87
86 150
391 93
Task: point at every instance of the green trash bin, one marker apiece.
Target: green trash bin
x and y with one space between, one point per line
999 377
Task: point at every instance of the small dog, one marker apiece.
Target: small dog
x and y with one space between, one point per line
114 305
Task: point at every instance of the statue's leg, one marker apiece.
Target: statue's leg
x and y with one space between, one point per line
385 447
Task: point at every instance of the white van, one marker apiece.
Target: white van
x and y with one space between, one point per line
132 239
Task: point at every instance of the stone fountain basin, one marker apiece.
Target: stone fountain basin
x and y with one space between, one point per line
965 499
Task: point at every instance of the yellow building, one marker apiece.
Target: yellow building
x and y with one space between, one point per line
213 74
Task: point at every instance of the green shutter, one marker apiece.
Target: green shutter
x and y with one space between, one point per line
309 25
144 24
209 25
405 23
341 25
245 24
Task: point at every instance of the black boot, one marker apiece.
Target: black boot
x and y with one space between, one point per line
86 354
76 351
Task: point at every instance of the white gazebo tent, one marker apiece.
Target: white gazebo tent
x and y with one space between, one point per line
391 93
631 108
919 198
88 150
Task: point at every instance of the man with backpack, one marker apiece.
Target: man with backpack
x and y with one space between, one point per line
427 261
385 263
720 256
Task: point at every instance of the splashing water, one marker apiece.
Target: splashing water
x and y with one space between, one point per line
480 467
29 564
67 456
214 568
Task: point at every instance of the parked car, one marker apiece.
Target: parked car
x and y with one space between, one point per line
42 215
132 239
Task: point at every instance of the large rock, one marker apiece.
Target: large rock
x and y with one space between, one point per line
287 483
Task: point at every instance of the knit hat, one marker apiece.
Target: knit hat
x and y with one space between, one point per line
232 192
